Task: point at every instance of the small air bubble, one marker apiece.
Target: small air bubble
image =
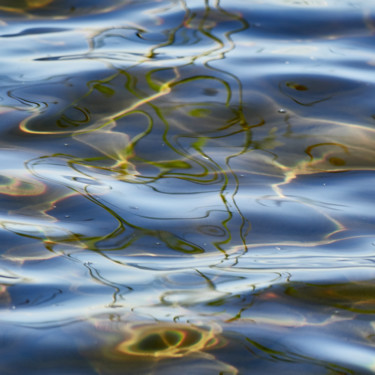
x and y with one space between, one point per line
66 144
324 184
278 248
281 110
157 243
242 175
67 216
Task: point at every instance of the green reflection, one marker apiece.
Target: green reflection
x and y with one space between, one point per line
164 100
355 296
160 123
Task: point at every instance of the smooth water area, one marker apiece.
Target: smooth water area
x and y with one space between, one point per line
187 186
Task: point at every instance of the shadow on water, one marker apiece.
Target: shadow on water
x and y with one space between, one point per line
180 186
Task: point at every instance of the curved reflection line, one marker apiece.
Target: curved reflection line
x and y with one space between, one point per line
242 121
118 293
164 90
225 176
310 148
304 244
89 242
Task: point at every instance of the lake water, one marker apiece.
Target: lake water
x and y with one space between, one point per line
187 186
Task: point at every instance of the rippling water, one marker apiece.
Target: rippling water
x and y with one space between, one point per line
187 186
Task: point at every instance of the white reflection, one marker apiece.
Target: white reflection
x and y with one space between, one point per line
339 351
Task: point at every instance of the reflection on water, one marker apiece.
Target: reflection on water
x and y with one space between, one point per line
187 184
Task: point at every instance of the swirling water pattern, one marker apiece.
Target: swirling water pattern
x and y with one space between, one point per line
187 185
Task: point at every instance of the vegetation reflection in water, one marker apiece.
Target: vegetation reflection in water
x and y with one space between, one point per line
99 119
166 204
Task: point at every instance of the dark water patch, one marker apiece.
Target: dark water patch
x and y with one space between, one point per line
305 23
34 31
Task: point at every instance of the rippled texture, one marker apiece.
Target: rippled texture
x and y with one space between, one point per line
187 186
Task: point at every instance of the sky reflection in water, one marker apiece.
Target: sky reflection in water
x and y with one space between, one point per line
187 184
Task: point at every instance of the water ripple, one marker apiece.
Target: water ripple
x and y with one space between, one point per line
187 182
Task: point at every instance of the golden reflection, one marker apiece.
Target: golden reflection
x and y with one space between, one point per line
198 127
143 345
106 122
154 91
113 144
169 340
56 9
38 3
22 6
349 151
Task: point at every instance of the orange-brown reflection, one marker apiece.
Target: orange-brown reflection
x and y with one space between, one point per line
11 184
142 345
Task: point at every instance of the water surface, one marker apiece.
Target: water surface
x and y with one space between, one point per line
187 186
